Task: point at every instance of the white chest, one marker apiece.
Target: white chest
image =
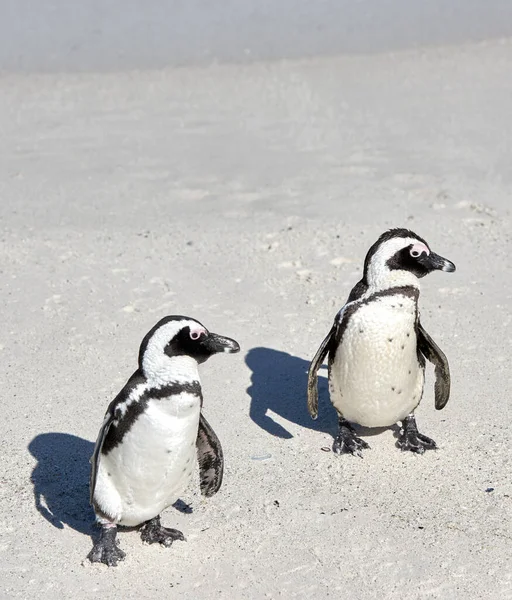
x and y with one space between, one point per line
154 463
376 379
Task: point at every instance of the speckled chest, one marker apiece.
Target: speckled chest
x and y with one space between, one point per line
159 443
165 428
375 377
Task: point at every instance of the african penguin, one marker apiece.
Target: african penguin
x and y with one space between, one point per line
377 346
145 451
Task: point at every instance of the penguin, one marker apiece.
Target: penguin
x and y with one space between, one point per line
377 347
144 454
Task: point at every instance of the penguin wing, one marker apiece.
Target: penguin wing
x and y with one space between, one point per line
359 290
316 363
436 356
110 416
332 337
210 458
95 458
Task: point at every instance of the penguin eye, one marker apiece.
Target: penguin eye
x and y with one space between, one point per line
195 335
415 253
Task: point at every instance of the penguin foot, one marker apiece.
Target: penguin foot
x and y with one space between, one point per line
153 532
347 442
411 439
106 549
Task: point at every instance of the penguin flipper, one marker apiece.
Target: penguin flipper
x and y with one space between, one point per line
436 356
95 458
210 458
316 363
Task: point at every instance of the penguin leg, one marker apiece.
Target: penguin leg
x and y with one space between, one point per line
152 532
411 439
347 442
106 549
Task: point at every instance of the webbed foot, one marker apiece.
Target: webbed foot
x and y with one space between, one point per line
411 439
106 550
347 442
153 532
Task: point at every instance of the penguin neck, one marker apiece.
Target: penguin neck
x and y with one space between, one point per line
385 279
170 369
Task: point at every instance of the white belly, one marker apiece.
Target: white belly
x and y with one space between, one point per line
152 466
375 379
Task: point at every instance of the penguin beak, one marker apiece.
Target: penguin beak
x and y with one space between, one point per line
214 343
434 261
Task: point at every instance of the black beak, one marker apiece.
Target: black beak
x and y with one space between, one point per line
434 261
214 343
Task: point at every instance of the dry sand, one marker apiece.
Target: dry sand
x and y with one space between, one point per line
246 197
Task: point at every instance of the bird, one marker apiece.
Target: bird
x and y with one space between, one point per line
377 347
145 450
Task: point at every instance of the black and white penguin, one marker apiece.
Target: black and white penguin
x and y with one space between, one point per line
144 455
377 346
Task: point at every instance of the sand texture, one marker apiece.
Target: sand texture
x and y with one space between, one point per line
246 196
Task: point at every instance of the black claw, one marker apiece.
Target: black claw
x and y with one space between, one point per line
153 532
412 440
106 550
347 442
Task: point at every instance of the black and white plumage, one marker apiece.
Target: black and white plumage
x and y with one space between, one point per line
377 346
145 451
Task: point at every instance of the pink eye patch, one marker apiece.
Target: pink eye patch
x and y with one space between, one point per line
195 334
418 249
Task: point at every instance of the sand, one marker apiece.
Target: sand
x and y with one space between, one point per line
246 196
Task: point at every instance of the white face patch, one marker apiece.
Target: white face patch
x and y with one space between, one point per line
380 275
160 368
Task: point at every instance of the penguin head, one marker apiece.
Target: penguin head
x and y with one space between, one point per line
176 344
399 257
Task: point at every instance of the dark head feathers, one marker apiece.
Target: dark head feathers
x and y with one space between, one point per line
399 232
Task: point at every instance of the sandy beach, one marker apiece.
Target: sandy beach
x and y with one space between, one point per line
246 196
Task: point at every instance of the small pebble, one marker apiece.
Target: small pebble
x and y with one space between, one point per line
261 457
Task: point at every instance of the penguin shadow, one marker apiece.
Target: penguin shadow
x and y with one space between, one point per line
61 481
279 384
366 432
